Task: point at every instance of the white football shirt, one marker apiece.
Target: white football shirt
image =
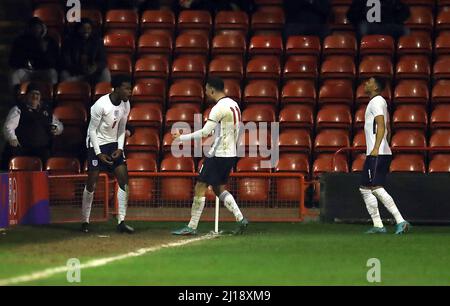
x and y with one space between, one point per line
227 114
377 106
107 124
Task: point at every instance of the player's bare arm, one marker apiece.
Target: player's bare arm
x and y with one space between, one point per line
379 136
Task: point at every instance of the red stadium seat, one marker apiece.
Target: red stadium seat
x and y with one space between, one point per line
25 163
226 68
253 141
410 116
358 122
121 21
299 91
261 91
265 45
358 163
330 140
443 19
162 21
192 20
441 68
141 188
339 20
377 45
192 44
440 117
151 68
411 92
46 90
267 22
263 68
288 189
408 163
52 15
414 45
73 92
188 67
252 188
440 141
149 92
363 98
324 163
155 45
231 21
334 116
408 139
229 45
336 91
119 43
146 115
119 64
101 89
338 67
179 114
413 67
145 140
375 65
442 44
303 45
440 163
71 114
297 115
300 69
359 140
295 140
420 19
93 15
440 92
186 91
62 165
257 114
233 90
177 188
339 44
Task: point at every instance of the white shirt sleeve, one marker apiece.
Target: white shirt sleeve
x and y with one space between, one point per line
96 117
59 125
121 129
11 123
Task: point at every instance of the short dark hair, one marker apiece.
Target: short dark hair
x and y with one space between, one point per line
381 83
32 87
118 80
216 83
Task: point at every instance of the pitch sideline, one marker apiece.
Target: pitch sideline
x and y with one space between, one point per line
98 262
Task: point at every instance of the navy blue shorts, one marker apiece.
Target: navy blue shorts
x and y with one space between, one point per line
375 170
216 170
94 164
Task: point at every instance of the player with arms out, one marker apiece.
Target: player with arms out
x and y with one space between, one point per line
221 158
378 160
105 141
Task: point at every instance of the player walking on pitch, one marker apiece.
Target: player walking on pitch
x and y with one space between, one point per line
378 160
221 158
105 141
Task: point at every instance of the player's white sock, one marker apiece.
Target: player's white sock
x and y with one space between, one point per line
230 203
387 201
122 199
196 211
86 205
372 206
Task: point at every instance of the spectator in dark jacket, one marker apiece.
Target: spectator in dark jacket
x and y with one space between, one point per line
29 128
34 55
83 56
306 17
393 14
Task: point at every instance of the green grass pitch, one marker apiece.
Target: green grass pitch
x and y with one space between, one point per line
268 254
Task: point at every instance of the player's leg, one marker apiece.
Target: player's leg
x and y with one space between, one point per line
230 203
198 204
88 197
369 199
383 196
121 174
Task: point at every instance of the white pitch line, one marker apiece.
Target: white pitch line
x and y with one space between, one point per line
97 262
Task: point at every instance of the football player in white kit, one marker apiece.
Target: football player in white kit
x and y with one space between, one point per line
105 141
378 160
221 158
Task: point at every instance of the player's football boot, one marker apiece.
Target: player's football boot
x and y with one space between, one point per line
185 231
85 227
402 227
242 226
377 230
123 228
